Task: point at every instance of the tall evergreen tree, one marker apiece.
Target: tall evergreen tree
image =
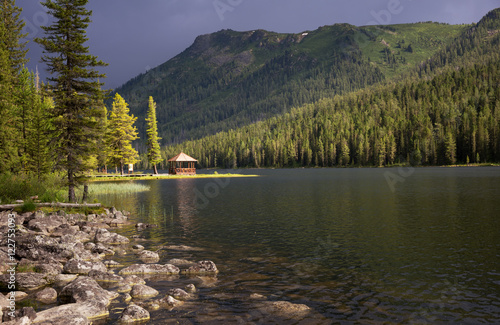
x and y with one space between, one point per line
74 86
13 37
121 134
154 155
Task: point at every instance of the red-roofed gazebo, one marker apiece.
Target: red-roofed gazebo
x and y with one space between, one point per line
182 164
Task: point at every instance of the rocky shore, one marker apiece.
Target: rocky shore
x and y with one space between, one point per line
64 263
67 259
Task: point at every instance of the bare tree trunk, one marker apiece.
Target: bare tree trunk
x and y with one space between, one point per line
71 187
155 170
121 167
85 193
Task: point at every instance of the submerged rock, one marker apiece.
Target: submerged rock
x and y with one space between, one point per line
203 267
285 309
143 291
134 313
148 256
179 294
101 276
167 269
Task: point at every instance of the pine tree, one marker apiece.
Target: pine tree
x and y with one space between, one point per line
121 134
14 25
74 86
154 156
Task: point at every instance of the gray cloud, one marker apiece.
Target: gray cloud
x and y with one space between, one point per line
133 36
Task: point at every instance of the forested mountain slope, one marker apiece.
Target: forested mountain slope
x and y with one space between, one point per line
446 110
230 79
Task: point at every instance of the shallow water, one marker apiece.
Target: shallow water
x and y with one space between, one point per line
366 246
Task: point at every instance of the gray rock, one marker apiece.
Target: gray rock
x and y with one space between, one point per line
40 247
49 267
167 269
4 302
88 298
74 314
47 296
63 279
25 320
134 313
203 267
190 288
179 294
21 316
133 280
83 267
170 301
180 262
148 256
26 281
101 276
143 291
106 237
112 264
46 224
140 247
285 309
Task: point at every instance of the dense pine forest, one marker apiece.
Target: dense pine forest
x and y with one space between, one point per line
444 111
230 79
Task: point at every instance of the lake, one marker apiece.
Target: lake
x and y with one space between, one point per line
369 246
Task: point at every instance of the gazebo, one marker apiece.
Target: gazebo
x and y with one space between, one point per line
182 164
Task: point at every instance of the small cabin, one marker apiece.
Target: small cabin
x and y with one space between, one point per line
182 164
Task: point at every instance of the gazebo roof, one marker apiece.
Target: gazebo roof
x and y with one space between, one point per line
182 157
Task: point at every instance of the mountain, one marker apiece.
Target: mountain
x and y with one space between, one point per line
230 79
443 109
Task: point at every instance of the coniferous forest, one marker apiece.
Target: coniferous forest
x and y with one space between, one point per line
425 94
443 111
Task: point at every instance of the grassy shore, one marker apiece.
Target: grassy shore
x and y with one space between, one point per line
101 178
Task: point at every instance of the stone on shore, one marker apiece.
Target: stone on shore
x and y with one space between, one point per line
26 281
133 280
80 267
101 276
134 313
47 296
142 291
203 267
167 269
110 238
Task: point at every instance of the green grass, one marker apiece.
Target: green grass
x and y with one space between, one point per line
24 186
115 188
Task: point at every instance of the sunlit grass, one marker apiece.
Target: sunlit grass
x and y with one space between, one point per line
114 188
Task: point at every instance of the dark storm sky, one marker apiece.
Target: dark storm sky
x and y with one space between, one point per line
136 35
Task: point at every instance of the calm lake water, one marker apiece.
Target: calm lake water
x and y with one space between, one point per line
369 246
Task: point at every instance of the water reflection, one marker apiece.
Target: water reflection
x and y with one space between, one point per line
343 243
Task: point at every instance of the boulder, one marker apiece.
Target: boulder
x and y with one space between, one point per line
25 281
139 247
167 269
106 237
180 262
170 301
47 296
65 229
21 316
63 279
203 267
133 280
179 294
75 266
40 247
74 314
285 309
142 291
101 276
134 313
112 264
49 267
190 288
46 224
148 256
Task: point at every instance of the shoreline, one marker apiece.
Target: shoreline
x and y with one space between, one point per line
102 178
